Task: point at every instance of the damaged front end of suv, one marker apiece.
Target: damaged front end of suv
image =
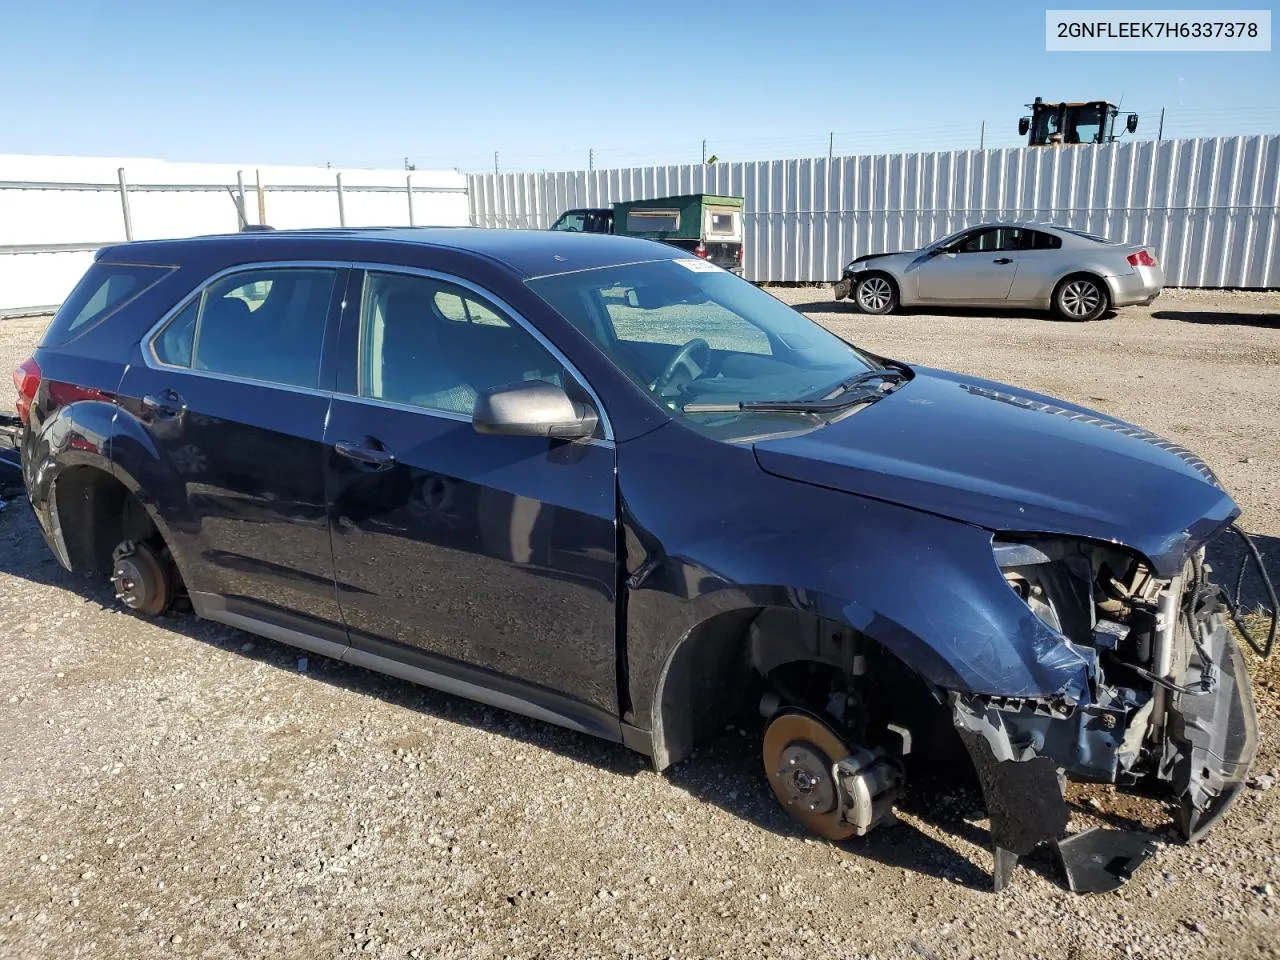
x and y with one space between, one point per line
1157 691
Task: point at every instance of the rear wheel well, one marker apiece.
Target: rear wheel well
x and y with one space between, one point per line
724 667
96 512
1083 275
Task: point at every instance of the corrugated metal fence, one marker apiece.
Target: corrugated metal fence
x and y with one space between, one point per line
1208 206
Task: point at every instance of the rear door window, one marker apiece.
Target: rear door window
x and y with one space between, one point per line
104 289
1043 241
266 325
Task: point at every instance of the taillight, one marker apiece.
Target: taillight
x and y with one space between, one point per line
1141 259
700 251
26 377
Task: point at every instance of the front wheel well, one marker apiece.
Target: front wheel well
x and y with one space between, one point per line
94 512
723 668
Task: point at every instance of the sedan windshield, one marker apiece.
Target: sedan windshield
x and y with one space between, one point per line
695 336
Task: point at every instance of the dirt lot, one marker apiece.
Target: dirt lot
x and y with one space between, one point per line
181 789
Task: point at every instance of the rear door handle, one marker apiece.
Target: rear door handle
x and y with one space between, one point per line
366 455
1003 260
168 404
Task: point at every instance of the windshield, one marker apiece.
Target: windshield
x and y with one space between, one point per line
572 220
949 238
690 333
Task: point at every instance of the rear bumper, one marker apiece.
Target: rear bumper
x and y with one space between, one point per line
1136 289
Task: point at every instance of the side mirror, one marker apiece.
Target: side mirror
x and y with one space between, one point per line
1023 126
534 408
1132 123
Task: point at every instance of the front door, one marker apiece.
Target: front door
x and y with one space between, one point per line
981 265
231 395
453 549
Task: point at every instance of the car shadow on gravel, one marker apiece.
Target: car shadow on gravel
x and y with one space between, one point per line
24 554
1221 318
1224 553
725 773
985 313
939 817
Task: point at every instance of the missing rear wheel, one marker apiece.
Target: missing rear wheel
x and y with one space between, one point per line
141 578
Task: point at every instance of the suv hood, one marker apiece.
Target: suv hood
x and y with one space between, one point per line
1008 460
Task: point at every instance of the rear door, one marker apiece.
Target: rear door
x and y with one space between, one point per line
233 393
981 265
486 560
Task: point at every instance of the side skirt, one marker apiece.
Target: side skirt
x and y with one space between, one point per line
419 667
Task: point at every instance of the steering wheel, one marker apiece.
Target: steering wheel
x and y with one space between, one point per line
684 359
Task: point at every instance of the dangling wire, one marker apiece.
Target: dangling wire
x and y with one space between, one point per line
1235 602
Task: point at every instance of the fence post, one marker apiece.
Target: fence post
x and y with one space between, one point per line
244 218
262 201
124 205
408 186
342 210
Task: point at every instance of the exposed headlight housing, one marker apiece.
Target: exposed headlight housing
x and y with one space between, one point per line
1094 594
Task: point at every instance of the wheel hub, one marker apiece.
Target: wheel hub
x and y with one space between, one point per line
139 579
806 778
130 583
799 753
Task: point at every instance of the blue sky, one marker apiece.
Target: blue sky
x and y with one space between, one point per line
541 83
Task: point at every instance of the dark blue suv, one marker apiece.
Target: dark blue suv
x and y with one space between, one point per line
603 483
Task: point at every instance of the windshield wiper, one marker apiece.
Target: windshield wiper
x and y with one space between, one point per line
885 374
786 406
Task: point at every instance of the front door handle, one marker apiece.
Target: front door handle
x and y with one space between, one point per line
367 456
1003 260
168 404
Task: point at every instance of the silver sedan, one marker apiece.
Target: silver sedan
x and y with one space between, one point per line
1042 266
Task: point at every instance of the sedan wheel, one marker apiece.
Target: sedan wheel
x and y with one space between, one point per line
1080 299
876 294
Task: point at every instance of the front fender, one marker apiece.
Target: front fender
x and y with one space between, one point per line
926 588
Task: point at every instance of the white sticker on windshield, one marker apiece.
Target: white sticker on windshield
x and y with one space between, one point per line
697 266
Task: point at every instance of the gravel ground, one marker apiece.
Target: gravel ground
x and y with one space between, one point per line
182 789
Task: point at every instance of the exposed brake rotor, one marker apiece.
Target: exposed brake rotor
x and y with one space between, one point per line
799 753
139 578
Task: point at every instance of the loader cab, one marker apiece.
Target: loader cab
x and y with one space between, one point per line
1057 124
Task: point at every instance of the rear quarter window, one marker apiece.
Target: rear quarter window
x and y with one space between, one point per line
104 289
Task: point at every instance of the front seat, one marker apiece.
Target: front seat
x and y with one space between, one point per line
419 364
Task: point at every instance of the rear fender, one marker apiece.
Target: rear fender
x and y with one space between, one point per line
153 478
76 435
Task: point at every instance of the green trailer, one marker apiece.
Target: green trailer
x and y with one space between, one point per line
706 225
